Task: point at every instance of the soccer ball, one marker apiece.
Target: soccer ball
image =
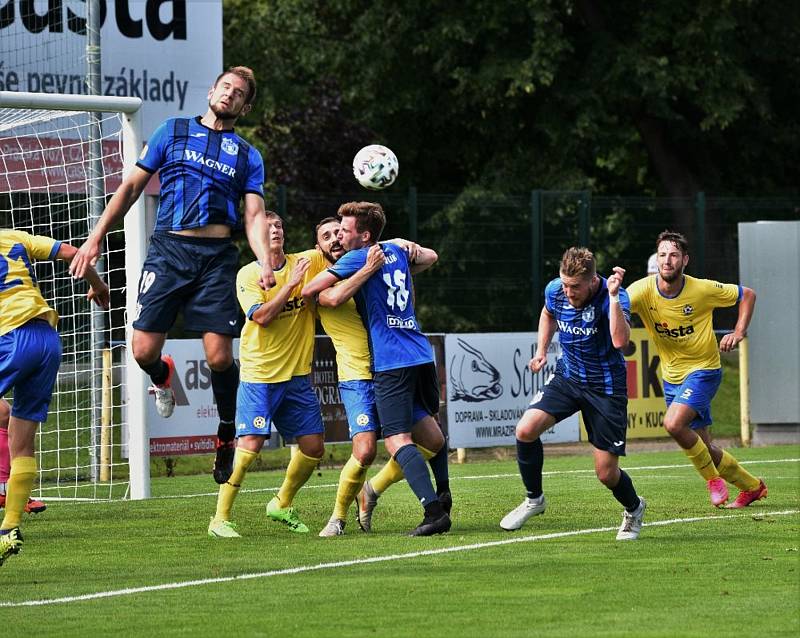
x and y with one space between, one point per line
375 167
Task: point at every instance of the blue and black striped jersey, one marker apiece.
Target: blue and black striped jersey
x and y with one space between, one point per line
386 305
588 354
204 174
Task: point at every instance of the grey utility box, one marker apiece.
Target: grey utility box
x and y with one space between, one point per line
769 263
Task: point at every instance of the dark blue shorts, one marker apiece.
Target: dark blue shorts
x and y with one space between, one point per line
291 405
29 359
196 275
697 390
403 396
358 398
605 416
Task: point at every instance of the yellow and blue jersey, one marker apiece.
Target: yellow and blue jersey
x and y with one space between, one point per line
682 326
20 297
349 336
284 348
204 174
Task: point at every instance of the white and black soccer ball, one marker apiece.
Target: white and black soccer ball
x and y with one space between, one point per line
375 167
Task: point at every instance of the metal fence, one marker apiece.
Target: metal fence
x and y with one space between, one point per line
497 251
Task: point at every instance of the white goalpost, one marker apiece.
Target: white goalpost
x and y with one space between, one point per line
54 171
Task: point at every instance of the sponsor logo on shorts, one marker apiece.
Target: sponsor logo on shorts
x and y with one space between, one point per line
259 422
362 420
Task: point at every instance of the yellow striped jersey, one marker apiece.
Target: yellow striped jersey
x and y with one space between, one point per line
284 348
682 326
20 297
349 336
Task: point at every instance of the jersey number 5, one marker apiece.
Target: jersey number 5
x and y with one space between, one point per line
398 293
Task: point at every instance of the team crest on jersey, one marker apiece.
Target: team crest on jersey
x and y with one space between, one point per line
687 309
588 314
229 146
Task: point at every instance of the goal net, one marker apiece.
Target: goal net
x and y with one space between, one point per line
61 158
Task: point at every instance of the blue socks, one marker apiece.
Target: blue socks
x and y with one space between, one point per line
416 473
530 459
224 385
441 472
625 493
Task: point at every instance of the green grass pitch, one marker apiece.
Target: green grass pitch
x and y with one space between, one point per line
153 571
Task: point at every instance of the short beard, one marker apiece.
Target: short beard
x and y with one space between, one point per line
328 257
677 274
224 114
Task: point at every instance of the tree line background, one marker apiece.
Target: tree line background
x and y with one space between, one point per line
641 106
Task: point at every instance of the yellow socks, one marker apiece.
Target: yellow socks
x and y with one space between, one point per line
701 458
18 489
300 468
392 473
350 481
731 471
228 491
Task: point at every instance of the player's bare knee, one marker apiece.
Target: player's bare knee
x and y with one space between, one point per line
607 475
428 434
312 446
219 361
673 426
364 449
526 432
5 413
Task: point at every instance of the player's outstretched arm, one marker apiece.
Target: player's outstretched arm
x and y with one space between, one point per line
617 323
337 295
257 231
420 258
266 312
98 291
746 306
120 203
547 328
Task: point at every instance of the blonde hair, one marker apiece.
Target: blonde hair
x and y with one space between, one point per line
577 262
369 216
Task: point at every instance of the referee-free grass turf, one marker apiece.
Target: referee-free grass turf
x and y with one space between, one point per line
728 573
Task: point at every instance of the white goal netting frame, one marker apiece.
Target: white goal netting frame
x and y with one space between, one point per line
61 158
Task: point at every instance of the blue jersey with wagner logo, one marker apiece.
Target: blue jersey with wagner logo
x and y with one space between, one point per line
385 303
204 174
588 354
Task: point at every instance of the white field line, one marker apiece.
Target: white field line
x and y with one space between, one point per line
367 561
477 477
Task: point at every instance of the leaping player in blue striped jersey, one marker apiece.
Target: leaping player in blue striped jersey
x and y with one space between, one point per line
30 355
205 170
592 317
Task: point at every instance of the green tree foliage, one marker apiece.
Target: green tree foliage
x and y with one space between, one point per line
668 97
482 97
